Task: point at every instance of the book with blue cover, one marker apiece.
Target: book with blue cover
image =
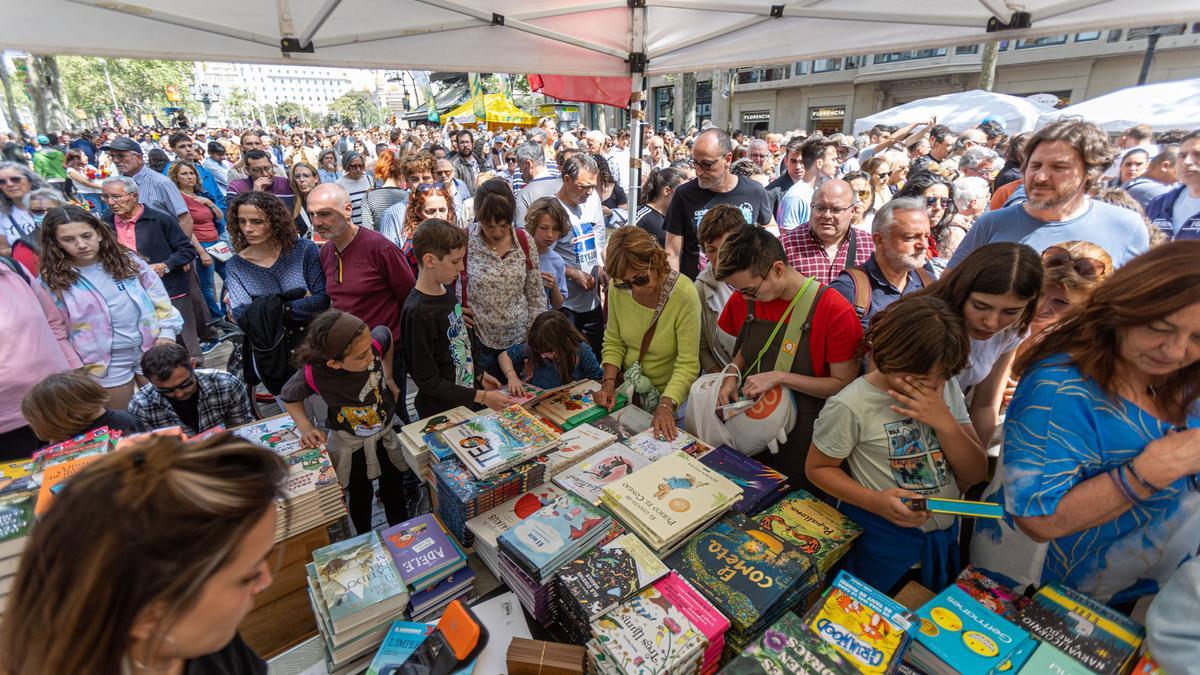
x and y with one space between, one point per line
402 640
958 633
424 552
761 485
441 593
554 534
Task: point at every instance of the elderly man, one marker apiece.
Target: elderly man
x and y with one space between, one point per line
262 178
712 153
157 237
759 152
827 244
180 395
979 161
655 155
899 265
1177 213
153 189
539 182
1063 161
821 163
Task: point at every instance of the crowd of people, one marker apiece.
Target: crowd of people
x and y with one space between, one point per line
917 298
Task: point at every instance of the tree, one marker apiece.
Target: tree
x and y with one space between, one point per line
689 102
294 114
137 84
356 106
46 91
241 105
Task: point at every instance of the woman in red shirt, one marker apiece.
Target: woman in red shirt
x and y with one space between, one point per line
206 230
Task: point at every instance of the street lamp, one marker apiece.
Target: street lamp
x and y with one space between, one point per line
207 94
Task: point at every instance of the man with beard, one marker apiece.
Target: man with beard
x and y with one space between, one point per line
1063 161
899 265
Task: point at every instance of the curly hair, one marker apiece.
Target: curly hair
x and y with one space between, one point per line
917 184
55 266
417 164
1089 141
414 213
283 228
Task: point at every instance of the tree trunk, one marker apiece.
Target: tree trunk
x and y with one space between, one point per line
13 116
987 68
689 103
46 92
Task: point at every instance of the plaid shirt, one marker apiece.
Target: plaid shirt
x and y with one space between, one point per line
808 256
222 401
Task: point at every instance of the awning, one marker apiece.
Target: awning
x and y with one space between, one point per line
962 110
501 113
1164 106
450 98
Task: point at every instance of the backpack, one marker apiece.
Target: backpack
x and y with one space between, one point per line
308 370
16 267
521 239
862 287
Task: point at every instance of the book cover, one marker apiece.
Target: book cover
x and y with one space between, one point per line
743 569
868 628
990 593
465 489
95 442
648 634
965 635
165 432
54 479
604 576
757 480
567 402
278 434
816 527
1094 634
788 648
672 496
17 499
576 445
415 432
552 531
491 443
308 471
488 526
450 587
703 615
354 575
18 468
208 433
625 423
647 445
402 640
422 549
1049 660
590 475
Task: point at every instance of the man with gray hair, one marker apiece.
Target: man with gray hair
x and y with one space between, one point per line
979 161
539 182
899 264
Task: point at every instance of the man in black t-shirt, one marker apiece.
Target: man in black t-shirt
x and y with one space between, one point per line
712 153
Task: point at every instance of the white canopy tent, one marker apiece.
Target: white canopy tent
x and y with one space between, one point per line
1164 106
568 37
961 111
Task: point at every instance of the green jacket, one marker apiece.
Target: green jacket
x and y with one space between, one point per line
50 164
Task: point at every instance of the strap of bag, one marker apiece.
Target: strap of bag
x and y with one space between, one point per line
924 275
787 313
852 249
15 266
665 295
520 236
524 242
308 379
862 290
798 325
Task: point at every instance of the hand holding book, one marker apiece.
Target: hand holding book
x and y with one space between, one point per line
892 504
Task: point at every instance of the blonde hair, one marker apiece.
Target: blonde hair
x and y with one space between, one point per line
633 248
1072 282
63 406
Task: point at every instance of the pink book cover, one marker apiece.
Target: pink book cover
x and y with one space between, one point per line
699 611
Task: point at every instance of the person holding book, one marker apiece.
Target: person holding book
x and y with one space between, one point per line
1102 439
349 365
900 433
441 355
653 331
175 554
554 354
65 405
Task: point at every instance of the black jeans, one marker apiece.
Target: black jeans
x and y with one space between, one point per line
392 490
591 324
400 373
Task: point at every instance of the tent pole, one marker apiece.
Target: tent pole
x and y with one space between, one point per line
637 104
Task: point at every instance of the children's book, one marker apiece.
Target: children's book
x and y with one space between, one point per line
423 551
648 634
402 640
789 648
587 477
703 615
554 534
990 593
649 446
492 524
816 527
17 500
1050 660
414 433
957 633
761 485
625 423
55 476
868 628
308 471
577 445
573 404
1092 633
604 576
278 434
492 443
95 442
358 581
18 468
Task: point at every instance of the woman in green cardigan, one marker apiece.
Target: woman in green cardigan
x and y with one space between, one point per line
661 365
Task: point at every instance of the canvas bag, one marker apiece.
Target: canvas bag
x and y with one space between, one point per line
638 387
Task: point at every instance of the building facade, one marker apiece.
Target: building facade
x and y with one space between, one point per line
313 88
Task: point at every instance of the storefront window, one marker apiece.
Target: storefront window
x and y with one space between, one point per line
895 57
664 107
1042 42
703 99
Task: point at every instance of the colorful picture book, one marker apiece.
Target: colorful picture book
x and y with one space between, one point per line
646 634
990 593
703 615
816 527
96 442
667 501
412 436
577 445
17 500
1094 634
278 434
571 405
402 640
589 476
867 628
649 446
625 423
761 485
491 443
553 535
55 476
460 496
423 551
308 471
604 576
486 527
959 635
358 582
787 648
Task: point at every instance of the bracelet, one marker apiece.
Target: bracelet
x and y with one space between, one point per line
1138 477
609 379
1123 485
665 402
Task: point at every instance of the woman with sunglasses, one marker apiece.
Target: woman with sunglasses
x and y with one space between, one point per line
880 173
935 190
355 182
653 331
16 181
1103 443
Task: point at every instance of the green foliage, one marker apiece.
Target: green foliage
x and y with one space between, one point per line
356 108
137 83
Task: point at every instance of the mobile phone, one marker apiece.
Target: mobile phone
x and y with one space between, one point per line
458 638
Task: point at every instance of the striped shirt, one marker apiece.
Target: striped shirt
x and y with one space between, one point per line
809 257
358 190
377 202
158 192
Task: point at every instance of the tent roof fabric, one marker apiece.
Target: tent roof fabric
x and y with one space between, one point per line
962 110
1165 106
500 111
566 37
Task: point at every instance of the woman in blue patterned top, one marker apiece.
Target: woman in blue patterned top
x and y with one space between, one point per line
1102 441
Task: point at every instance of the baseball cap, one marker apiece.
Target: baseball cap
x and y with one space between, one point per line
122 144
44 140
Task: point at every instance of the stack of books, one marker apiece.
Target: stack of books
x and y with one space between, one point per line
534 549
703 615
488 526
426 556
403 638
428 604
491 443
751 576
817 528
669 500
577 445
789 647
866 627
18 496
356 593
412 439
599 580
648 445
645 634
990 593
960 635
570 405
312 495
761 485
1090 634
534 657
589 476
625 423
278 434
461 497
54 465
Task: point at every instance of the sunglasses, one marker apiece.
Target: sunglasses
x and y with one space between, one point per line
934 201
638 281
864 195
707 166
425 187
884 174
15 180
1086 267
191 379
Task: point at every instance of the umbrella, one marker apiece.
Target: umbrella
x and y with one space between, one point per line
501 113
1164 106
961 111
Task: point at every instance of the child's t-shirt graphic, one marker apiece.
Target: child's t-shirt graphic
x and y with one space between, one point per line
359 402
460 348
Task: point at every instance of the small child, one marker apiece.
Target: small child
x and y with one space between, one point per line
547 222
437 347
555 353
350 368
904 432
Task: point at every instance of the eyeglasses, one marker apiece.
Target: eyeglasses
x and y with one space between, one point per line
1087 267
447 172
638 281
835 210
934 201
754 293
864 195
15 180
510 159
706 165
425 187
355 166
191 379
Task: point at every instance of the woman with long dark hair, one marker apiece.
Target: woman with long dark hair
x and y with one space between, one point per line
939 203
657 190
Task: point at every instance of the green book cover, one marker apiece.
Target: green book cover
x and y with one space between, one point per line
816 527
789 648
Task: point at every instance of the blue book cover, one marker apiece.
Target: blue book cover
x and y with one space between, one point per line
556 531
964 634
760 484
452 585
402 640
424 552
